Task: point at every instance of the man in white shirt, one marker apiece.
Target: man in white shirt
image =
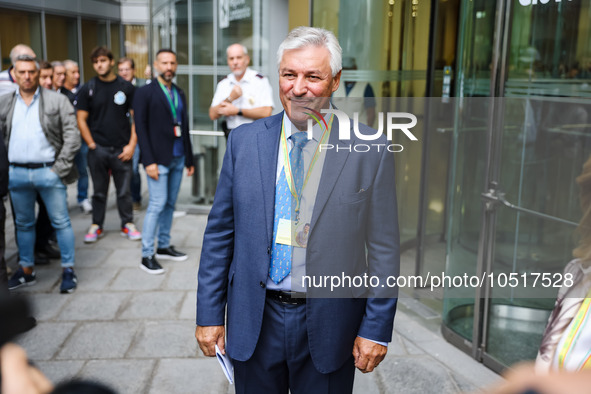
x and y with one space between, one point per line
242 96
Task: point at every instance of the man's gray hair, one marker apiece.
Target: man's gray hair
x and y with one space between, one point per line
69 63
57 63
27 58
18 50
244 49
304 36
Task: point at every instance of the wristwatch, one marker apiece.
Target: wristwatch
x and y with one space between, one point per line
239 112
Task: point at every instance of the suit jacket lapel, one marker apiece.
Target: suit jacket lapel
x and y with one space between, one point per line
333 166
162 97
268 149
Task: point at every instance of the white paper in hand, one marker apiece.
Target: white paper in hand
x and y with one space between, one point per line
226 364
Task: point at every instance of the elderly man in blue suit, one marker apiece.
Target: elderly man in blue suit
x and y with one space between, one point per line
285 332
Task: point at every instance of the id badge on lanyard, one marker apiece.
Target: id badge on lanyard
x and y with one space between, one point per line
172 97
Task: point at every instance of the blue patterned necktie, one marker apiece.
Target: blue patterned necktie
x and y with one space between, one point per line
280 265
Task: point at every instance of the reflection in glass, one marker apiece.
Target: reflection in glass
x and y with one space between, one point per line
115 30
18 27
181 31
93 34
64 38
202 20
544 130
136 47
239 30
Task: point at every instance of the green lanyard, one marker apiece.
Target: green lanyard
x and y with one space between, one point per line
173 101
287 164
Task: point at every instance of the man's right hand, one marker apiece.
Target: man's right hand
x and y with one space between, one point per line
235 93
208 337
152 171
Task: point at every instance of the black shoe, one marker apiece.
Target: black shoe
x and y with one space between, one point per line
21 279
49 251
170 253
69 281
151 266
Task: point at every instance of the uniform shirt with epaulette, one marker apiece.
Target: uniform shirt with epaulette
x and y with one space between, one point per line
256 92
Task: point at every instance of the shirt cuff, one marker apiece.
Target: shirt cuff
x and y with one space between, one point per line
378 342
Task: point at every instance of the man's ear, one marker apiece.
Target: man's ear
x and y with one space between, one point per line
336 81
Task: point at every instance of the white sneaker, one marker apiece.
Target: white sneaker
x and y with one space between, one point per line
85 206
178 214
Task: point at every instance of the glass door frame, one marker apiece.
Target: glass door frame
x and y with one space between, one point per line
492 196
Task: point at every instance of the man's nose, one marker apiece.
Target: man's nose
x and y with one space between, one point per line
299 86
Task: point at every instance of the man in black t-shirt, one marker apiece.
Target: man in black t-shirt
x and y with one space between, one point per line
104 111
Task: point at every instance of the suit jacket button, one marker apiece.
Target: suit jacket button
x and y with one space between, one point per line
262 284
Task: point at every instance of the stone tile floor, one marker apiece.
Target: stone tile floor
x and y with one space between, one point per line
134 331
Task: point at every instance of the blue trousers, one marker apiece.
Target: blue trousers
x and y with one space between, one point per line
81 162
282 361
163 195
24 184
136 178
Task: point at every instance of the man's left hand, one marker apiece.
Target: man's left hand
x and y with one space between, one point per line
18 376
228 109
190 171
127 153
368 354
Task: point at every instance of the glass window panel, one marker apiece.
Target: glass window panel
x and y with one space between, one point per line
94 34
116 39
18 27
203 90
464 216
181 31
239 30
161 28
209 149
202 20
550 41
64 38
136 47
475 47
182 80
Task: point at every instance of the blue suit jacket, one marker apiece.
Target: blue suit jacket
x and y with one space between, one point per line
154 125
354 229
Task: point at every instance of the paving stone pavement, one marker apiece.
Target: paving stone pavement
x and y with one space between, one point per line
134 331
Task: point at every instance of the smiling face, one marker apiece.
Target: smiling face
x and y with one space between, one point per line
305 75
237 60
26 75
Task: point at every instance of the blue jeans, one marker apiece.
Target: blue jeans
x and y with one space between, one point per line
24 184
163 195
136 179
81 162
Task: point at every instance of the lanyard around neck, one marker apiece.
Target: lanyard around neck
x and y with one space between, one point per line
287 164
574 334
173 101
